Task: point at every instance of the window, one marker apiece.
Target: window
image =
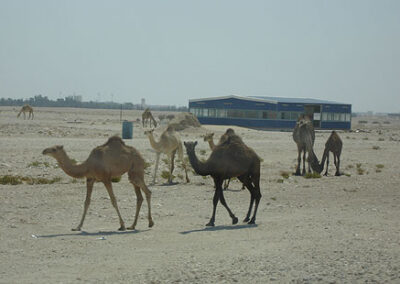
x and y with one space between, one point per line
342 117
284 115
251 114
235 113
336 116
294 115
212 112
221 112
324 116
348 116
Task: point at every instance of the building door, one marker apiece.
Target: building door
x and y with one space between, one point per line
314 111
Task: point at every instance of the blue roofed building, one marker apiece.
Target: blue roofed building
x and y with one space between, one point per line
270 112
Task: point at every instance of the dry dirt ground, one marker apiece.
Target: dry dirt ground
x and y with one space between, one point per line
332 229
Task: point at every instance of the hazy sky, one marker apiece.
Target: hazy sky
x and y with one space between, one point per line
171 51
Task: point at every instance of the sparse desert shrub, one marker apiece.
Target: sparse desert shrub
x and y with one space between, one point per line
376 147
38 164
378 170
14 180
360 170
279 180
380 166
166 161
386 122
381 139
116 179
285 174
273 198
365 138
166 175
375 122
350 166
363 122
312 175
9 179
347 175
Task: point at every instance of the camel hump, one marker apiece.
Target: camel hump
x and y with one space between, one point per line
114 139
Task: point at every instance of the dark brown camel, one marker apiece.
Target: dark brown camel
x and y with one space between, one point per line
209 137
232 158
334 144
304 136
109 160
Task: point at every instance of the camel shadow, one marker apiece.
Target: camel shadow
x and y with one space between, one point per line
93 234
220 228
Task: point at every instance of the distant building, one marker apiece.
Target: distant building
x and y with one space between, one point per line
143 103
270 112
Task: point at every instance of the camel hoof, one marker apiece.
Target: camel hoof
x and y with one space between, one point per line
234 220
210 224
131 228
338 174
246 219
122 228
252 222
76 229
151 224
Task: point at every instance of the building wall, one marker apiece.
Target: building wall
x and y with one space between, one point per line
258 114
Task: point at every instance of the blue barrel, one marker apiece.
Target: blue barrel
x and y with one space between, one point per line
127 129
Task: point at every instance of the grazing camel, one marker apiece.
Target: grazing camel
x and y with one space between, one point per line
304 137
109 160
334 144
24 109
209 137
147 116
168 144
230 159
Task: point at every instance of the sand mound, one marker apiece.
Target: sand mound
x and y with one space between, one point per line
184 120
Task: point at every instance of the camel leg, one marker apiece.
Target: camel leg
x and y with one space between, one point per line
32 115
138 182
327 163
226 183
89 189
172 166
156 167
218 187
222 199
304 163
297 173
114 203
139 201
337 164
246 181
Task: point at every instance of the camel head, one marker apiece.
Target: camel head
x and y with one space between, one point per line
190 146
315 165
208 137
54 151
149 132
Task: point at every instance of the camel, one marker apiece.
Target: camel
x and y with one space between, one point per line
109 160
304 136
24 109
147 116
209 137
169 144
334 144
230 159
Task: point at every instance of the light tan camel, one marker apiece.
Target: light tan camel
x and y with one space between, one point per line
169 144
24 109
304 137
109 160
231 158
147 116
209 137
334 144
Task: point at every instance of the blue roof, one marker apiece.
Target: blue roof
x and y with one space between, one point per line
296 100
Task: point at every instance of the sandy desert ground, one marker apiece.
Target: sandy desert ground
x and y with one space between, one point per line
331 230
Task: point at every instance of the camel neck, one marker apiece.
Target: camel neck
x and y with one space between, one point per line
199 167
71 169
156 145
211 144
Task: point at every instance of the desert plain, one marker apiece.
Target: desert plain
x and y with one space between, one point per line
331 229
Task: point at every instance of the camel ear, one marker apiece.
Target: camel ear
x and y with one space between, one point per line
60 147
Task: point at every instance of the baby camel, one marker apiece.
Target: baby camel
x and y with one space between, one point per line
109 160
24 109
334 144
169 144
209 137
232 158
